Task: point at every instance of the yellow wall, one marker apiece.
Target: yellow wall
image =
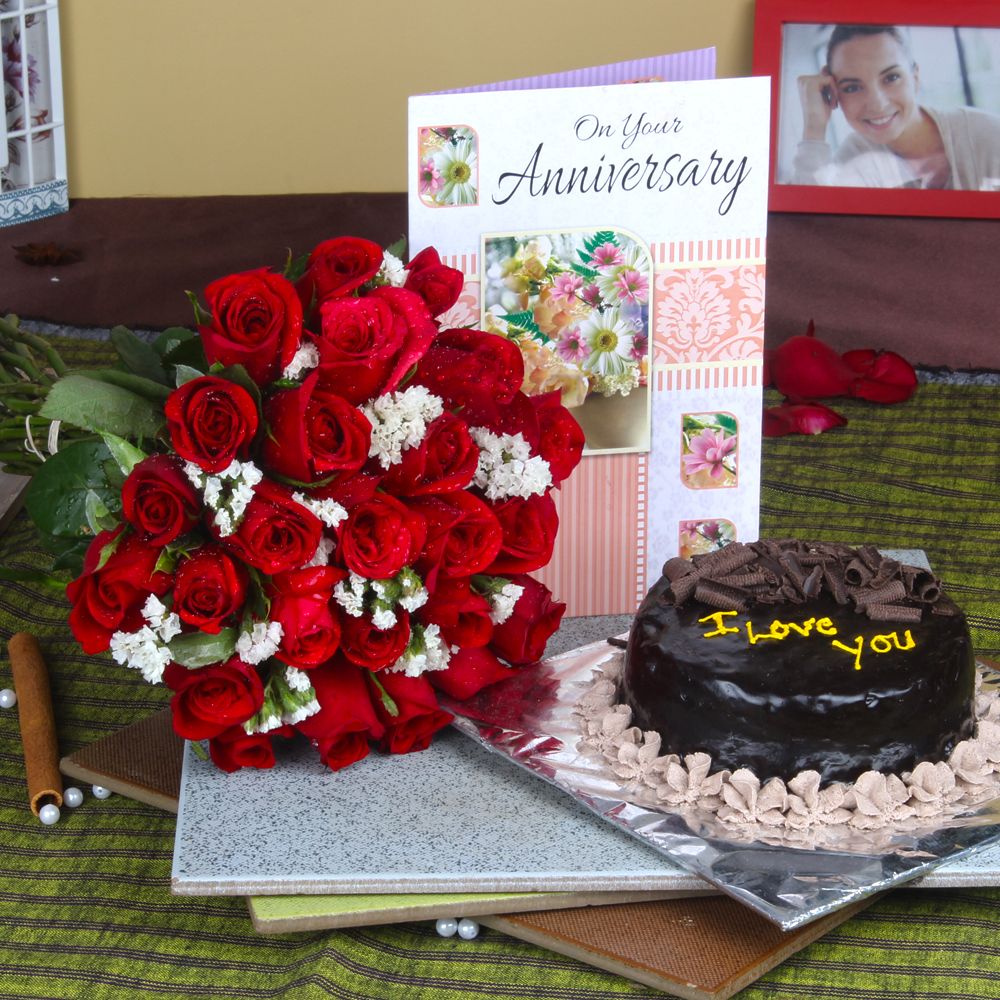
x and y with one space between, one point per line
203 97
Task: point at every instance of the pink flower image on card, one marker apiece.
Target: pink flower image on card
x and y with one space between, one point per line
709 450
695 538
448 167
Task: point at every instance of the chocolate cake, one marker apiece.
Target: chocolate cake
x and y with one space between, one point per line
785 656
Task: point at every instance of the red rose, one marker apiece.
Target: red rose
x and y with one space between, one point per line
469 671
514 416
208 700
562 438
159 500
234 748
800 418
805 367
529 533
313 432
522 637
276 533
301 604
109 599
463 536
374 648
462 615
436 283
380 536
337 267
443 462
211 421
346 719
418 716
366 346
463 365
882 376
256 322
209 587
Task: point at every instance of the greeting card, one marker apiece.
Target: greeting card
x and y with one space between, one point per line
616 233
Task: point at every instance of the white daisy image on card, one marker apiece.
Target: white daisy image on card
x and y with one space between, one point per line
448 171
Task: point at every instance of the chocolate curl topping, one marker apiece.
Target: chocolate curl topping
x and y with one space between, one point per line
776 571
893 613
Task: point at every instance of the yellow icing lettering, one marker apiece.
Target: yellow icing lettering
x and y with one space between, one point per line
754 637
886 643
720 628
856 649
779 630
826 627
805 628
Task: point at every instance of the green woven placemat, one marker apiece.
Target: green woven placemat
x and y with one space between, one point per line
84 906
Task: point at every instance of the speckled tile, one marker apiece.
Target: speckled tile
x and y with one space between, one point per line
455 818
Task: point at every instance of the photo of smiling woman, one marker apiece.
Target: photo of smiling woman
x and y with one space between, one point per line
879 106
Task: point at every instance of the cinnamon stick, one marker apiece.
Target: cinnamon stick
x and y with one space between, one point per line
38 725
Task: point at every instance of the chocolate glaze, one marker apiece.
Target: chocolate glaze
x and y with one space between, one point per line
780 707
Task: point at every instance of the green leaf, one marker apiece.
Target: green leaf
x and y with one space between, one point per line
201 316
69 553
126 455
585 272
598 239
198 750
295 267
56 497
184 373
726 421
387 703
523 321
172 338
199 649
155 392
398 248
138 356
99 518
103 408
189 352
39 577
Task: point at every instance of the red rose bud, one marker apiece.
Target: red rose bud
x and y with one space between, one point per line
211 422
463 365
562 438
313 433
366 346
373 648
209 588
522 637
462 615
469 671
800 418
463 536
159 501
208 700
109 599
804 367
883 376
310 630
445 461
277 533
380 536
417 715
256 322
529 533
436 283
346 719
233 749
337 267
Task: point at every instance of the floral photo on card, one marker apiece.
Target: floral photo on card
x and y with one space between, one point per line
709 450
448 169
577 305
696 538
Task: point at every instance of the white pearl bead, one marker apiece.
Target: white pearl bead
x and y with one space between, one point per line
49 814
100 792
73 797
447 926
467 929
8 699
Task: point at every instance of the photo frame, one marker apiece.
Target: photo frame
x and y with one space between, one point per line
943 61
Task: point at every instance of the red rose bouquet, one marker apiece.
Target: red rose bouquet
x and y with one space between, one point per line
314 512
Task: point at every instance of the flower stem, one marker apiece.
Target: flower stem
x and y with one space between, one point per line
9 327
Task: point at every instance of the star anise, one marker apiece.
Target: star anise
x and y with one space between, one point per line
46 254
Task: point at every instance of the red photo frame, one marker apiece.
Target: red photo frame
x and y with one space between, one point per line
771 20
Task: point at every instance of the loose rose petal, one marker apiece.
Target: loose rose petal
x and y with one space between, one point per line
884 376
800 418
807 368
